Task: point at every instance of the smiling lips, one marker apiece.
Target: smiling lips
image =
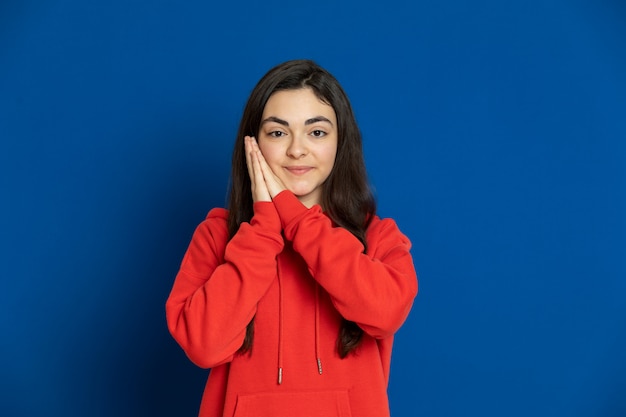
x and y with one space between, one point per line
298 170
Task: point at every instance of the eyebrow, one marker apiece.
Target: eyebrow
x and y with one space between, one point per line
307 122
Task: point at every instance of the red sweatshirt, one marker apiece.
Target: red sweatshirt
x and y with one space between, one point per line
297 275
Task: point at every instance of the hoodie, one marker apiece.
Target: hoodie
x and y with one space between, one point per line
298 275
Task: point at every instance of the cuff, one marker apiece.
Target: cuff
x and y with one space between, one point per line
289 208
266 216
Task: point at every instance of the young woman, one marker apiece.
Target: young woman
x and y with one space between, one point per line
293 295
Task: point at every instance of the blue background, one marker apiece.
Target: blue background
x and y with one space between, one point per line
494 134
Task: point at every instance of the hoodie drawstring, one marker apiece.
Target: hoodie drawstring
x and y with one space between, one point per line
280 328
281 311
317 328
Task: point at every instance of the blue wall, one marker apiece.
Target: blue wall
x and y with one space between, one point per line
495 134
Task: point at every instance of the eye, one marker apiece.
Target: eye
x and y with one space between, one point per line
318 133
276 134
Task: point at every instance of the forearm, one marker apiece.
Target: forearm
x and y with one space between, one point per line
376 289
216 292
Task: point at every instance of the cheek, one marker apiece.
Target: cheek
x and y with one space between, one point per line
270 153
330 155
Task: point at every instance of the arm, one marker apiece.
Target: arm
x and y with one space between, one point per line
375 290
219 284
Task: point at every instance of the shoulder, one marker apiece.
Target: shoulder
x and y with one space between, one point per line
214 228
208 243
380 227
217 213
383 234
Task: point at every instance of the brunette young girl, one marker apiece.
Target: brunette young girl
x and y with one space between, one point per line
292 295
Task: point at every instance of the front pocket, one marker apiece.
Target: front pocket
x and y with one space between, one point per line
294 404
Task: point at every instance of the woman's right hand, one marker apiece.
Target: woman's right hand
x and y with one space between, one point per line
259 187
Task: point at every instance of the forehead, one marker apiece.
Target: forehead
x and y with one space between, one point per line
295 105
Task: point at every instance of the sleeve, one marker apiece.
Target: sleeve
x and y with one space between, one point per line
219 284
375 290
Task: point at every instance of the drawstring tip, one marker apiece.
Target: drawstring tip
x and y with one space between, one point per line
280 376
319 365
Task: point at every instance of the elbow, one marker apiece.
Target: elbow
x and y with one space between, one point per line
391 315
201 352
388 324
205 358
198 345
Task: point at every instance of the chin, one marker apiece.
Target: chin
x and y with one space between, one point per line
299 192
308 197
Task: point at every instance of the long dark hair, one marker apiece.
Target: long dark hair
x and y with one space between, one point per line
346 196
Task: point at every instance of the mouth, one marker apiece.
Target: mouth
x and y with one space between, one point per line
298 170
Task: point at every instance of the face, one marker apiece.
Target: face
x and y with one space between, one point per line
298 139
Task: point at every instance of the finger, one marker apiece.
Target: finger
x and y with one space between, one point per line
260 190
256 167
273 184
248 149
257 156
264 166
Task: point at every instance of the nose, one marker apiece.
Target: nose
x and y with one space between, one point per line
297 147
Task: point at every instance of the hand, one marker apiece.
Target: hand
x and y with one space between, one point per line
259 189
265 184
